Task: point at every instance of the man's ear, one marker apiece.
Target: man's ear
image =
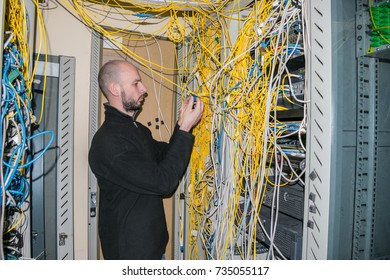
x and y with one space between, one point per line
114 89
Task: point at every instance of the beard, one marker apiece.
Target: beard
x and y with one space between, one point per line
130 104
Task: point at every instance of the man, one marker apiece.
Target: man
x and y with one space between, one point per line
133 170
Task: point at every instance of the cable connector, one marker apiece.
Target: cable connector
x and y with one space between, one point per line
258 29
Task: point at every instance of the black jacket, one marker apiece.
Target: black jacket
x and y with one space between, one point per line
134 171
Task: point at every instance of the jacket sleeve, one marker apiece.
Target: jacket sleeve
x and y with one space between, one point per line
131 170
162 147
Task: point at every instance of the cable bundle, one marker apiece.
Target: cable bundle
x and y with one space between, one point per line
15 130
243 89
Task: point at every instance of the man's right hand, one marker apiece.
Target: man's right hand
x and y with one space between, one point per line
190 115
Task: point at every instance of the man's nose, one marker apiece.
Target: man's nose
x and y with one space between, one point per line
143 88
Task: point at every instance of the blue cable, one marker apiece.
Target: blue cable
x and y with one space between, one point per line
143 15
14 87
39 155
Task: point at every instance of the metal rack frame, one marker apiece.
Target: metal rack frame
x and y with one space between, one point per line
346 213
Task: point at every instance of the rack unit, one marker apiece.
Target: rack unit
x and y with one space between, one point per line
346 215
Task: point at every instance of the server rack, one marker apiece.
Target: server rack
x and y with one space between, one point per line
345 213
30 12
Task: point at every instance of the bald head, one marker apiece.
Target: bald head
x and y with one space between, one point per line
111 72
122 85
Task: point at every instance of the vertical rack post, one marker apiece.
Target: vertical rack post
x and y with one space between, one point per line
94 102
315 228
65 235
366 157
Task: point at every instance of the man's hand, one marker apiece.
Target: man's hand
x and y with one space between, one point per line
190 113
